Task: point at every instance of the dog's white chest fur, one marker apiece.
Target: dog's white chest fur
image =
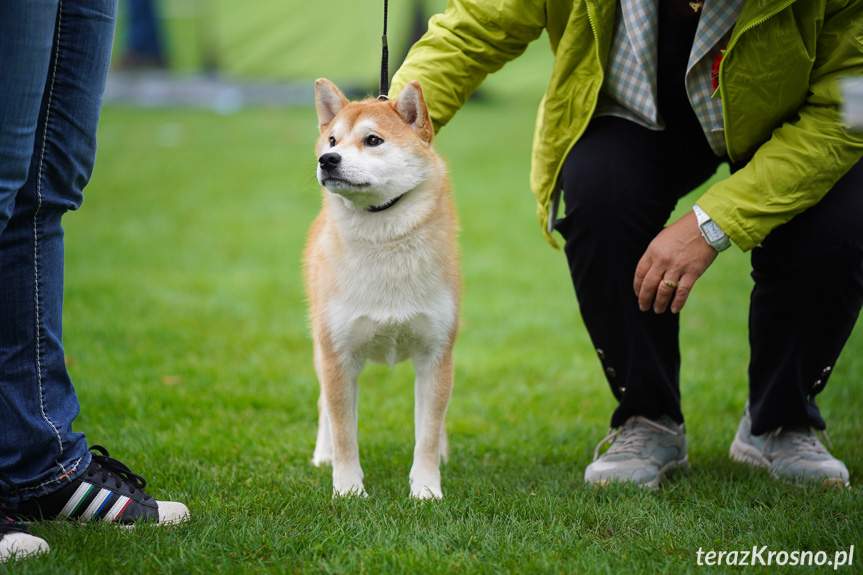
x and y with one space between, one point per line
391 302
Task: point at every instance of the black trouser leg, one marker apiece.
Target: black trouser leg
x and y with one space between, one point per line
808 292
620 184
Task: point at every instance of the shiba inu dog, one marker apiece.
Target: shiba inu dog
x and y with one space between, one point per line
382 274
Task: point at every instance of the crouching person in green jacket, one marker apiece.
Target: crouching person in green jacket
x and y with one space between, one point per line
645 100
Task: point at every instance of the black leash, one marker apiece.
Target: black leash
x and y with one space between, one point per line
385 53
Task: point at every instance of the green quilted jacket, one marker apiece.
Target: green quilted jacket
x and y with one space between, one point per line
778 83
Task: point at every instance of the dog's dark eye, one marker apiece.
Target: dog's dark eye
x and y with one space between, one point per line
332 141
374 141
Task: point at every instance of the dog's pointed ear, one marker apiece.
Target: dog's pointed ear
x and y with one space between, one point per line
329 101
411 106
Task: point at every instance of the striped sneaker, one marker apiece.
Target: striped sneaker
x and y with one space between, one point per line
15 541
106 491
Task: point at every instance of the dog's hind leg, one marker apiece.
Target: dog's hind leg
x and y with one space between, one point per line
340 393
432 390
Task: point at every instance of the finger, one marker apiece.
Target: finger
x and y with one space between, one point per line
640 272
664 293
647 293
682 293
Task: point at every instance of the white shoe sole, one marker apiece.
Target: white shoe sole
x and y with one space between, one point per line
172 513
654 483
745 453
669 467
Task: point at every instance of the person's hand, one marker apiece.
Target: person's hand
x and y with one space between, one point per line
674 260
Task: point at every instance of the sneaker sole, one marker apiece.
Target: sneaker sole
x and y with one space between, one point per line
653 484
170 514
671 466
742 452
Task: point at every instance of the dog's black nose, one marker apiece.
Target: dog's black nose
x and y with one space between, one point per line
329 160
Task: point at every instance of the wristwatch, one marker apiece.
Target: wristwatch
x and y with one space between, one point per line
710 230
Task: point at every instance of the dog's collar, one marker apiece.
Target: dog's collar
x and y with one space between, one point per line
385 205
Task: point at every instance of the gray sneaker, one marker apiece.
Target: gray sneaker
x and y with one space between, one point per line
795 455
642 451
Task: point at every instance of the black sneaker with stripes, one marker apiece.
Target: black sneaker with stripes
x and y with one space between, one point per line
16 542
106 491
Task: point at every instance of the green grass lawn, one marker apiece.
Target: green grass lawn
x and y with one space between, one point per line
187 339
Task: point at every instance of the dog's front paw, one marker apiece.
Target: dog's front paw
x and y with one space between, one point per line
426 486
425 492
349 490
357 491
348 483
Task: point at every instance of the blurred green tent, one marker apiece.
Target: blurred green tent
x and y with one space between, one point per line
226 54
304 40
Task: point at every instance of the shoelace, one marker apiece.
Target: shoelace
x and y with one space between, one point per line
113 469
7 523
803 440
630 437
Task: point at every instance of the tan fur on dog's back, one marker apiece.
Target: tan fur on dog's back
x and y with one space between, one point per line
383 286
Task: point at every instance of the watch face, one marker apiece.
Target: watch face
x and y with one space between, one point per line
712 231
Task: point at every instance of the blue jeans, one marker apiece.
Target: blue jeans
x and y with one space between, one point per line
54 58
143 36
